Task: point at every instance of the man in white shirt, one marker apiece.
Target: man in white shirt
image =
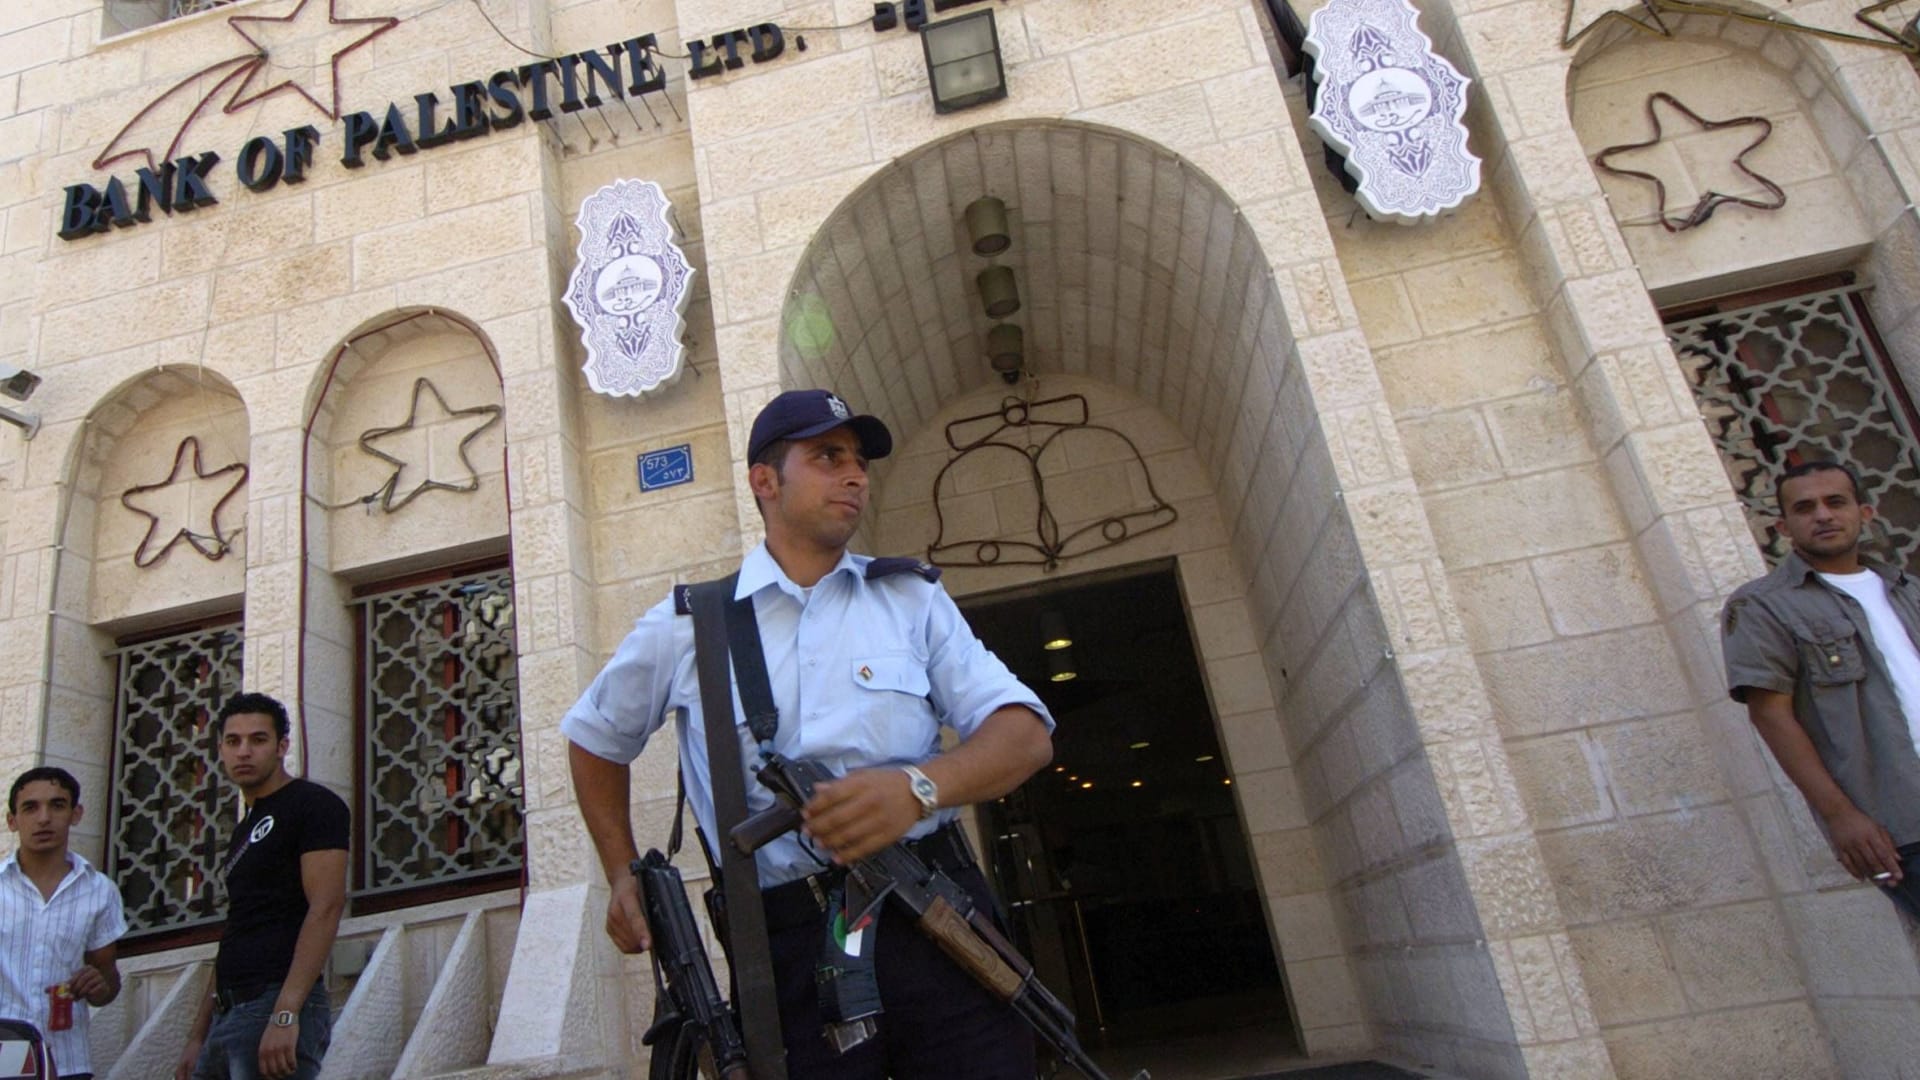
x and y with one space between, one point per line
60 920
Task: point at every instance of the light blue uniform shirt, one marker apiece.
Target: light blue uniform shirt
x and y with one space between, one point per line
864 674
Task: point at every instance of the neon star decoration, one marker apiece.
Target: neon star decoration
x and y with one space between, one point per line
285 34
214 543
268 39
1649 22
1710 200
481 418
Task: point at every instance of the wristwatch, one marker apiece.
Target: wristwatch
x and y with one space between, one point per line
923 789
284 1018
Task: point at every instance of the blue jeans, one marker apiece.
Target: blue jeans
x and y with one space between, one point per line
232 1049
1906 895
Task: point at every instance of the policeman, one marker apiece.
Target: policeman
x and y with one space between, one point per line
868 659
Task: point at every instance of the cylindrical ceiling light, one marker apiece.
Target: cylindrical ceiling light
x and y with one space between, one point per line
1053 631
999 293
1060 667
1006 350
987 225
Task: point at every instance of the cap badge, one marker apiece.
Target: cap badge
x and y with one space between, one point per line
839 407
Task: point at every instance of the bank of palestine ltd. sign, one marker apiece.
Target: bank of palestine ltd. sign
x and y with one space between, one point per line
173 183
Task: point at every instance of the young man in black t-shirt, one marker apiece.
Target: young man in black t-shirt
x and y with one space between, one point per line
285 874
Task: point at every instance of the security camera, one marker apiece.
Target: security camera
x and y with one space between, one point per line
18 383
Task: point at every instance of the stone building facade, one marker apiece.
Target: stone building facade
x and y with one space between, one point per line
1455 520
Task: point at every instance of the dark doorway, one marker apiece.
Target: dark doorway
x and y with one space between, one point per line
1124 864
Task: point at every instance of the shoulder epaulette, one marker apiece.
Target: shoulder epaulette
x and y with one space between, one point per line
683 599
880 568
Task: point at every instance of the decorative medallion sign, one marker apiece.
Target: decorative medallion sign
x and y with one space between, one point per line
1392 108
629 289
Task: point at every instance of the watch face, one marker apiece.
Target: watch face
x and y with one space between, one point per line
928 795
283 1018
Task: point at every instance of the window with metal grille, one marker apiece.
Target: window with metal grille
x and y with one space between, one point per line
124 15
441 790
1804 377
171 807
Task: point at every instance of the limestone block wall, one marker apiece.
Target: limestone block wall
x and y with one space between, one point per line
1621 783
1667 487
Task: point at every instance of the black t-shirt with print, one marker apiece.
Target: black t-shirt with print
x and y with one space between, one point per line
266 902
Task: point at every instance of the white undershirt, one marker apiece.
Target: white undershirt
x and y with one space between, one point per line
1890 637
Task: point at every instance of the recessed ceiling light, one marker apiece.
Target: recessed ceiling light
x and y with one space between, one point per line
1086 785
1204 757
1141 745
1136 783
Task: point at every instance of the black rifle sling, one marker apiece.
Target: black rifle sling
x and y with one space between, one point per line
750 664
749 951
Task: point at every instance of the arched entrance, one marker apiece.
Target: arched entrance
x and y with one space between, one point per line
1148 310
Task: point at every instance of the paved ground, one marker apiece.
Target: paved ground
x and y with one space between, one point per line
1354 1070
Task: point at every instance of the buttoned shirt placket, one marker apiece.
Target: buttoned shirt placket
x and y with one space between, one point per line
1901 602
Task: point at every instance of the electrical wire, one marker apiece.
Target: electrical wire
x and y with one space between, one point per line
503 34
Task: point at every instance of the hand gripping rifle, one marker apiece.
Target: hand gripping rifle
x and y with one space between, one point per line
695 1011
941 909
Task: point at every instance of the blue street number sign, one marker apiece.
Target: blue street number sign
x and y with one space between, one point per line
666 468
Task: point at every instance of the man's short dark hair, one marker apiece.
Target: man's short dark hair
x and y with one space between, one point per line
774 455
53 773
1808 468
256 703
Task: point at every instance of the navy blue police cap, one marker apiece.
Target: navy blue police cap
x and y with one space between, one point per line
802 414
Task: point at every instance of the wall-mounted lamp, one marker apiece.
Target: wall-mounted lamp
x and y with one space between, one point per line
963 62
1053 631
1060 667
987 225
999 293
1005 349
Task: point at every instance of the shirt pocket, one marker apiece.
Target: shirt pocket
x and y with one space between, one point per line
890 692
1830 653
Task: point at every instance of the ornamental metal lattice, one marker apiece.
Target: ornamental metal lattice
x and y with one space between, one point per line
1801 380
171 805
442 798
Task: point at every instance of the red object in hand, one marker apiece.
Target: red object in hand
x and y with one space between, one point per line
59 1008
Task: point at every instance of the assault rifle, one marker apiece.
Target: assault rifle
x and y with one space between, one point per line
941 909
694 1010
